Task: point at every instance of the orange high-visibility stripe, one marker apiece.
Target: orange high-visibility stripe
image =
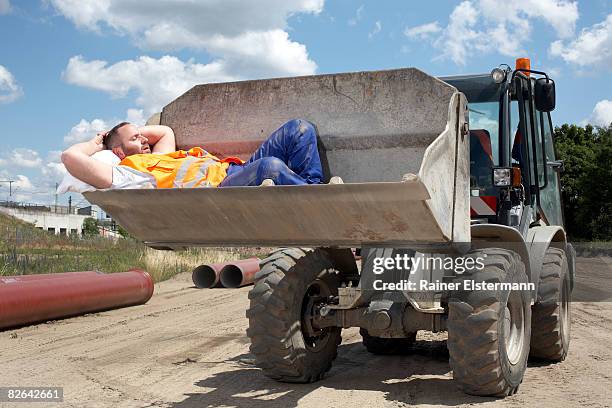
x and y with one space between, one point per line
195 167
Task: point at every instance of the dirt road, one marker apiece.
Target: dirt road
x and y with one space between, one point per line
188 348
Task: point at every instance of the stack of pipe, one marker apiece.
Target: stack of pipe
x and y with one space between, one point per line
232 274
37 298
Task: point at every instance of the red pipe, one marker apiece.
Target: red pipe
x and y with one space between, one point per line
25 278
239 273
207 276
29 301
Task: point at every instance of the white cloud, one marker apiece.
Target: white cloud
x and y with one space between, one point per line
85 130
54 169
483 26
200 19
21 157
261 54
554 72
602 114
358 16
136 116
423 31
26 158
20 189
156 82
376 29
592 46
245 40
22 183
54 156
38 185
561 15
9 88
5 7
458 36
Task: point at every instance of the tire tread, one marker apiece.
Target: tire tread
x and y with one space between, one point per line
272 317
473 339
546 336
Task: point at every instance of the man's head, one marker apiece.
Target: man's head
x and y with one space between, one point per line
124 140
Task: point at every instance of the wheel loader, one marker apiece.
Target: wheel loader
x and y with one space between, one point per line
459 170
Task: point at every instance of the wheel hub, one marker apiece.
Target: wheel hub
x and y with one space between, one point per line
317 294
565 308
514 327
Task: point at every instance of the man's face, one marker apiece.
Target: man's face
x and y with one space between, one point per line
132 142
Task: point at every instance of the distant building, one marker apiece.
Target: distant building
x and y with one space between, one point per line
57 220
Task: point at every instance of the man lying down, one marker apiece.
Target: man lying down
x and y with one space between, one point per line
146 157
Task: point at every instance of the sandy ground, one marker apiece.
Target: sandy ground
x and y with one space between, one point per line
188 348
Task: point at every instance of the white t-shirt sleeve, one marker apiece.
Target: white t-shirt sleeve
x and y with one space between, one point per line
123 176
71 183
127 177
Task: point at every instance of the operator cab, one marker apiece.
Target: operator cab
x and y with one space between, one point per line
513 171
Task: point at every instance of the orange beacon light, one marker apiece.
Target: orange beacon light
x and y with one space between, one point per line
523 63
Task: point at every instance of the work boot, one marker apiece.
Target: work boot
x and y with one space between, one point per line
336 180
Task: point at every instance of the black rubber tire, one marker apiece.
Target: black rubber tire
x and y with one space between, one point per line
477 331
276 327
384 346
550 331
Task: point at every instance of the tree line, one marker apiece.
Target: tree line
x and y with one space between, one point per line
586 181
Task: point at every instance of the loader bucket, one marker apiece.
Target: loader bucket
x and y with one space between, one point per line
397 138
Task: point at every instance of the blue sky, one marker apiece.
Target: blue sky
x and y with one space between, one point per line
69 68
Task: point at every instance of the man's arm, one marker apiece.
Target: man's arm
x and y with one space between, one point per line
80 164
160 137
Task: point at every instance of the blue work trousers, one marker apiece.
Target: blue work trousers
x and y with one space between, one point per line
289 156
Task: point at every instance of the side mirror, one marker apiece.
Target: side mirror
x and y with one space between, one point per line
545 94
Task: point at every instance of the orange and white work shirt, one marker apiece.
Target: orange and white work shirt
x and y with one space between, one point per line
181 169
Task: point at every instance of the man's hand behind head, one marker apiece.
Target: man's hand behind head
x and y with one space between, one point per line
125 139
98 142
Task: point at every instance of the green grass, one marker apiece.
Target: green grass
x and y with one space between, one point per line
26 250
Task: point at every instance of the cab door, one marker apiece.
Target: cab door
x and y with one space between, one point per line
544 164
550 187
535 153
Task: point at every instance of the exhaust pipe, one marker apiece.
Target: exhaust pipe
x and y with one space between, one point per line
26 301
239 273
